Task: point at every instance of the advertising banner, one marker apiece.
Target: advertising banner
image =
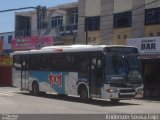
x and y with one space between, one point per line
31 42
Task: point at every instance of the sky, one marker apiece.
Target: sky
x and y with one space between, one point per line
7 19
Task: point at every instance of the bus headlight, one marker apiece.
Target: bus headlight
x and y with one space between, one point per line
111 90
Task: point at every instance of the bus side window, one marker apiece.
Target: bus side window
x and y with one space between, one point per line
69 63
45 62
24 62
34 63
17 62
82 63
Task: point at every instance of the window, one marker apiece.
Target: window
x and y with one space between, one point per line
34 63
152 16
92 23
9 39
57 21
45 62
82 63
73 16
122 20
57 62
17 61
69 63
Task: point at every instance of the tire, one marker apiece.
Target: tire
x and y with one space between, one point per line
114 100
35 89
83 94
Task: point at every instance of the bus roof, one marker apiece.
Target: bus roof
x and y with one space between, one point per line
69 48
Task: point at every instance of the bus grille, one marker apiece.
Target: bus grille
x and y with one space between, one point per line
126 91
126 96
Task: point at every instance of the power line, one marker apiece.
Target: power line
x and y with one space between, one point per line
17 9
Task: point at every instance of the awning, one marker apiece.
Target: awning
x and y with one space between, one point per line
150 57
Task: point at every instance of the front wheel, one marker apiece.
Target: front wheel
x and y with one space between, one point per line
35 89
83 94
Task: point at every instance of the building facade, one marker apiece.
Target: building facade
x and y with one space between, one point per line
115 21
59 23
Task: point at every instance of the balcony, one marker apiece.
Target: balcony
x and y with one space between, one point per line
22 33
68 29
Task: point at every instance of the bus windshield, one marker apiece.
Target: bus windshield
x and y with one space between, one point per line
123 68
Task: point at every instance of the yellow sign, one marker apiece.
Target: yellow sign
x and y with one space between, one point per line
5 61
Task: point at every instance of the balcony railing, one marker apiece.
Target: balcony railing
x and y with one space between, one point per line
22 33
68 28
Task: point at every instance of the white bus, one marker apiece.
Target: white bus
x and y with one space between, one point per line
90 71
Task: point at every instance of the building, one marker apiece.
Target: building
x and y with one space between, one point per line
114 21
5 59
58 23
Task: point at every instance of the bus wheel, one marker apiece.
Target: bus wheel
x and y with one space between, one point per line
35 89
83 94
115 100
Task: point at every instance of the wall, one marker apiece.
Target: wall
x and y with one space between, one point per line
121 32
153 5
92 8
152 29
122 5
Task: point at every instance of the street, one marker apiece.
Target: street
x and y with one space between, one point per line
15 101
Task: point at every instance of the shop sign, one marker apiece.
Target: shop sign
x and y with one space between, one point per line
31 42
5 61
148 44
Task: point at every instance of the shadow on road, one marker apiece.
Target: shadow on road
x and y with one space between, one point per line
151 99
102 103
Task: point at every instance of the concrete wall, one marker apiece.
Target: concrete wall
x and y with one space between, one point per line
93 8
138 16
106 25
122 33
152 29
81 37
153 5
122 5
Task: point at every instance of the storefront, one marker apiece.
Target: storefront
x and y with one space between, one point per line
149 49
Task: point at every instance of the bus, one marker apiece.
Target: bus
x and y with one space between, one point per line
88 71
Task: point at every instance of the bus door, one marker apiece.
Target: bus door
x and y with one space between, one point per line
24 73
96 77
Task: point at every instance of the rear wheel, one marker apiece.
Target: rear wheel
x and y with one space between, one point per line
35 89
83 94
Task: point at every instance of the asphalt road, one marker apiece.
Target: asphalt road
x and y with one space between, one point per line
14 101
